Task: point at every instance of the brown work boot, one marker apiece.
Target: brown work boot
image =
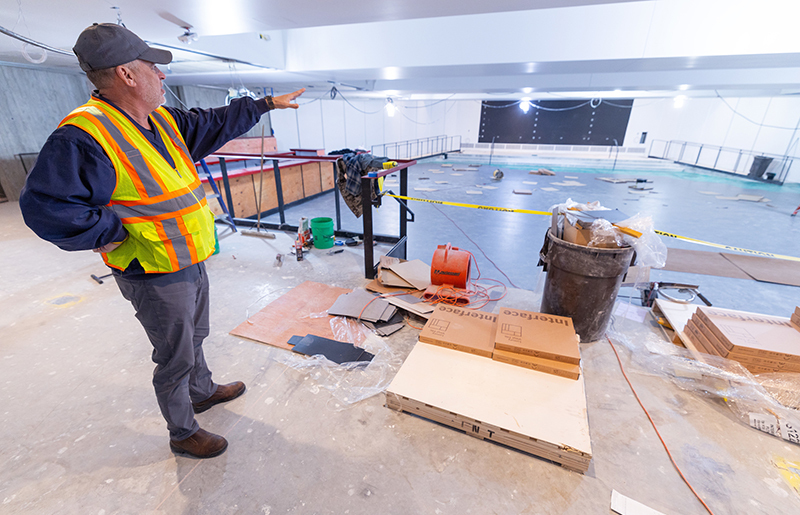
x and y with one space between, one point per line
224 393
201 445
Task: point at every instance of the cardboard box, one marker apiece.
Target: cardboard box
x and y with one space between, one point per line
548 366
538 335
752 334
465 330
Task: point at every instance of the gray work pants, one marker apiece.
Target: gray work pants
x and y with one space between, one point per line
173 309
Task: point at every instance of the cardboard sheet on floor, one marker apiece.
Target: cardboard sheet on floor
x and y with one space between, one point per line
338 352
702 262
768 270
538 413
415 272
288 315
362 304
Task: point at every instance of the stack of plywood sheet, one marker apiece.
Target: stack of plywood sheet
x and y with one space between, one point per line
760 343
538 341
540 414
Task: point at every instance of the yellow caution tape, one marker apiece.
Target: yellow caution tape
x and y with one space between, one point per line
548 213
473 206
728 247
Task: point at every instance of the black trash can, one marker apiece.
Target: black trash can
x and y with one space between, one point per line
759 166
582 283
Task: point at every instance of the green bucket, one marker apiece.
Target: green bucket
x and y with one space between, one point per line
322 229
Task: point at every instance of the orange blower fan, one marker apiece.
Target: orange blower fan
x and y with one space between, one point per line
449 272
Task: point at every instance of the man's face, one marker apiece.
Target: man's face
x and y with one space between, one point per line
150 77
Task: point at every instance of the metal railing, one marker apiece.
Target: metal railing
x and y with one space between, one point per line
756 165
418 148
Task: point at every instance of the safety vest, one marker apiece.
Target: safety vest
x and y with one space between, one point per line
164 209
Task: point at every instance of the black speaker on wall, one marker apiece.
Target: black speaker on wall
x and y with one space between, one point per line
555 122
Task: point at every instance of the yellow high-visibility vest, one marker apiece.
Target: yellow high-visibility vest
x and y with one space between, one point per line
164 209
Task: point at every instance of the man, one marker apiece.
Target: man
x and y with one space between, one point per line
117 176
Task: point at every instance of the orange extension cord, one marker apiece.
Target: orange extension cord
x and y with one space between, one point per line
674 464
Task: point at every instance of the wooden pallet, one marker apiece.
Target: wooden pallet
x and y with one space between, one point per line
534 412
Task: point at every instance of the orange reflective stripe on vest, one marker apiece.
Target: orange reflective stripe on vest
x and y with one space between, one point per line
162 208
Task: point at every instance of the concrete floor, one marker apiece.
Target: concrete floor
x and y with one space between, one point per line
82 432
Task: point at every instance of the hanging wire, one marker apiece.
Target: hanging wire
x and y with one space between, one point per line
537 106
617 105
354 107
748 119
433 104
176 96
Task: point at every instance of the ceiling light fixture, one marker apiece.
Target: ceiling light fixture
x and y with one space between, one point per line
390 107
188 37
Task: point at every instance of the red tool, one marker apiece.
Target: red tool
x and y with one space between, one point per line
450 266
449 273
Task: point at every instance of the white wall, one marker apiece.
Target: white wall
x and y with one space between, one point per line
338 123
759 124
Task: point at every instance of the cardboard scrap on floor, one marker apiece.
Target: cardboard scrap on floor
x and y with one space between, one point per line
290 313
613 180
415 274
542 171
529 182
540 414
363 305
338 352
411 304
627 506
523 192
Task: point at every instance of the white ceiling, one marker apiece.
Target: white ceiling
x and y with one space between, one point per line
447 48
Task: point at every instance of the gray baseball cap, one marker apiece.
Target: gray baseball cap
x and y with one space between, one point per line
105 45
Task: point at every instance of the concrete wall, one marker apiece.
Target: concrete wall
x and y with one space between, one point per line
32 103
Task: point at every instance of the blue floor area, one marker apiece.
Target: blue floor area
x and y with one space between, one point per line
506 245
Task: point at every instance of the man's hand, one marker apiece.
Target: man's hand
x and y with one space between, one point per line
285 101
108 247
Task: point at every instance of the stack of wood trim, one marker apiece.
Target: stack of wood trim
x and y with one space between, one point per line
760 343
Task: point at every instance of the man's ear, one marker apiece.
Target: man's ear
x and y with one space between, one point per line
126 73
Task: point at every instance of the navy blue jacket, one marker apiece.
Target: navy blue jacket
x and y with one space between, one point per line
65 193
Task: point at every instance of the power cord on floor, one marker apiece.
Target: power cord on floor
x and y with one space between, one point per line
674 464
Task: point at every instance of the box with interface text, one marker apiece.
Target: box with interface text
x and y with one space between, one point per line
465 330
537 334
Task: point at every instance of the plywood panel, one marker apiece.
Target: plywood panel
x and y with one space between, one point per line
770 270
288 315
292 181
702 262
249 145
533 404
312 183
328 178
